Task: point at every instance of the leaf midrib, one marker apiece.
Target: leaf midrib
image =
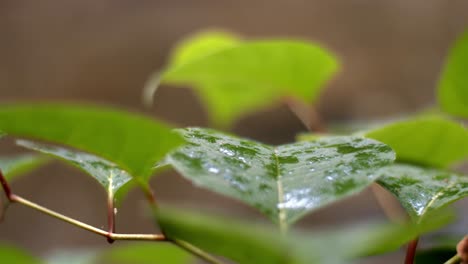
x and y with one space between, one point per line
279 186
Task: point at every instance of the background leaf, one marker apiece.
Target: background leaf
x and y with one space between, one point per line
430 140
132 141
109 175
15 165
246 242
453 85
422 190
238 78
10 254
283 182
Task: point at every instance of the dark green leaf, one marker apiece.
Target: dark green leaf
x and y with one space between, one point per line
109 175
234 77
246 242
9 254
421 190
131 141
453 85
13 166
283 182
432 140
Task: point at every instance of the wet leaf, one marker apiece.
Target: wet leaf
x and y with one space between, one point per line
10 254
15 165
422 190
132 141
109 175
247 242
453 84
239 77
430 140
283 182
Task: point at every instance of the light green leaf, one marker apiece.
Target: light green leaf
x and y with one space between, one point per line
13 166
134 253
283 182
239 77
422 190
246 242
146 254
432 140
132 141
10 254
109 175
453 84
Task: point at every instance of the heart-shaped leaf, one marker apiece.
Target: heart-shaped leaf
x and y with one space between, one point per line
236 77
13 166
245 242
283 182
422 190
132 141
430 140
109 175
453 85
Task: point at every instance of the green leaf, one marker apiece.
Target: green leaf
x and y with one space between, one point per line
239 77
109 175
140 253
422 190
10 254
132 141
246 242
13 166
283 182
453 84
134 253
432 140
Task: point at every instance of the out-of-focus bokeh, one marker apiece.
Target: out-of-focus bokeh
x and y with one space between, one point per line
104 51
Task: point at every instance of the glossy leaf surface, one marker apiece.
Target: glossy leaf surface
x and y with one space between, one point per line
421 190
432 141
283 182
453 85
109 175
246 242
240 77
131 141
15 165
10 254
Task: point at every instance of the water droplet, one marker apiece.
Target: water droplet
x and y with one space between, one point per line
213 170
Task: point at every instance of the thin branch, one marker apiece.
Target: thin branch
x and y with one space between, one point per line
5 185
110 217
453 260
411 251
196 251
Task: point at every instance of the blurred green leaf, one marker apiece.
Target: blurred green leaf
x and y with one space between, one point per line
10 254
430 140
132 141
134 253
15 165
283 182
234 77
109 175
453 84
153 253
422 190
245 242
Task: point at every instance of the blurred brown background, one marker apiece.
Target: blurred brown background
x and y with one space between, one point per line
103 51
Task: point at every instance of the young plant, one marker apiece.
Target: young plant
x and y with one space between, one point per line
234 77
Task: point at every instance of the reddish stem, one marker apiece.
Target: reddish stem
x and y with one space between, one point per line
6 186
110 218
411 251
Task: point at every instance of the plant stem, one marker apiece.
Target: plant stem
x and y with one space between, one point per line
110 217
411 251
454 260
